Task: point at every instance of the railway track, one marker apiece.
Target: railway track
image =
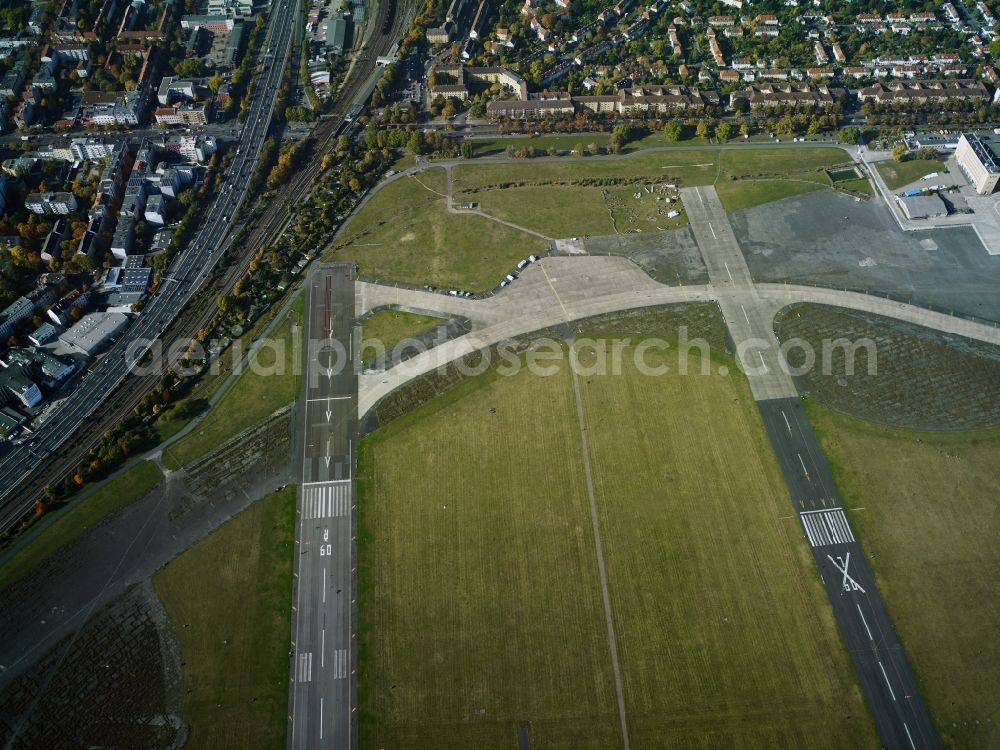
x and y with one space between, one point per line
202 309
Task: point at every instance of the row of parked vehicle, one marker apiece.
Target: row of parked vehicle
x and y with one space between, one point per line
520 267
505 282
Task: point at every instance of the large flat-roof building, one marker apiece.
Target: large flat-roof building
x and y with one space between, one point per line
979 157
922 206
93 331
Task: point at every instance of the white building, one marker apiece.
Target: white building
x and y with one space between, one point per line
50 203
978 159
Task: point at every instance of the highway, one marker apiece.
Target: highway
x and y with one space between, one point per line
181 282
322 692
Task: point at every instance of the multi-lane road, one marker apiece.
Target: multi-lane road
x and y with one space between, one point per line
181 282
322 693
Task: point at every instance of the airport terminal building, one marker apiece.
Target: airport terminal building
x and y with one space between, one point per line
978 158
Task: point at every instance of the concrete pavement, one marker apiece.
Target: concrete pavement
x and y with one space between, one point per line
751 330
561 289
322 685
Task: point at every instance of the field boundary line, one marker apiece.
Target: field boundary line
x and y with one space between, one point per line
612 641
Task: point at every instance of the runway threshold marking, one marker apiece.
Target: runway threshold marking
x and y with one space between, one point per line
304 673
826 527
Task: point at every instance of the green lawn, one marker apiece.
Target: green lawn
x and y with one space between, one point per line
405 233
571 198
924 505
389 327
739 194
479 592
269 382
896 174
229 599
73 522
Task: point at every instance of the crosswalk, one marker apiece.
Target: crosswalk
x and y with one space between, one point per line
327 501
827 527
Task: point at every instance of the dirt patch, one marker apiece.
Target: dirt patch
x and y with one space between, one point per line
920 378
113 685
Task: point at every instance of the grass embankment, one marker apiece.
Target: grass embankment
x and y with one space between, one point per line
924 505
268 382
547 196
899 173
405 233
571 142
229 599
389 327
74 521
479 589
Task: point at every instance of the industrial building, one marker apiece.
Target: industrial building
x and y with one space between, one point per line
94 331
922 206
978 159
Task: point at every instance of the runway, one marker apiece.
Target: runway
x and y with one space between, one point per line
882 668
323 688
867 631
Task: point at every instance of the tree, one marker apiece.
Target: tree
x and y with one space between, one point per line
193 68
850 135
672 131
723 132
745 128
702 129
899 152
416 143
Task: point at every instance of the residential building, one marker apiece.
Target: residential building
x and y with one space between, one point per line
765 96
925 92
50 203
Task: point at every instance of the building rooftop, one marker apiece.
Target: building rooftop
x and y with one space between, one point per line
986 149
93 330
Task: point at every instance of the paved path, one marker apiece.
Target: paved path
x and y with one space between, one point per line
750 327
562 289
550 292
